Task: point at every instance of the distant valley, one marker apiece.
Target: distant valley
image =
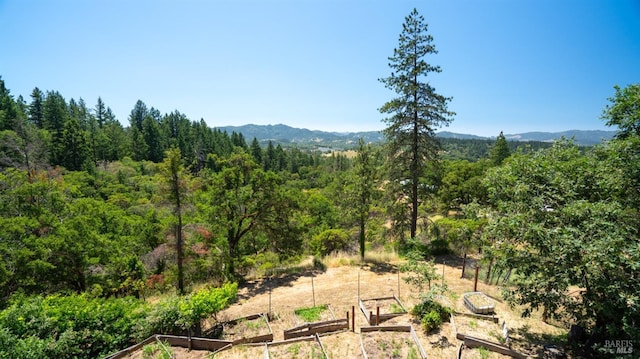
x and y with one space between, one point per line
304 138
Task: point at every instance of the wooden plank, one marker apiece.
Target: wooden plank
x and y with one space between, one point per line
380 298
364 352
316 328
400 304
256 339
124 352
453 324
292 340
196 343
414 335
386 328
321 346
492 318
460 350
473 342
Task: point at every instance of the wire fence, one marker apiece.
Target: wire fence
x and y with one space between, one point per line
487 272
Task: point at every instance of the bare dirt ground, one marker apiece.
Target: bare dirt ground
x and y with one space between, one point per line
339 286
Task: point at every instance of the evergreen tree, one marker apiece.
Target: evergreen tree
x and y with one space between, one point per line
174 177
256 151
500 150
415 113
153 139
8 108
138 114
365 175
74 151
55 116
269 157
100 112
36 111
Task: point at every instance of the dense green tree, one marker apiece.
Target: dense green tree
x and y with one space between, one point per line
100 112
500 150
55 116
256 151
415 113
176 129
137 115
174 177
269 157
364 189
153 139
558 225
116 142
244 199
36 110
624 111
74 151
461 184
8 108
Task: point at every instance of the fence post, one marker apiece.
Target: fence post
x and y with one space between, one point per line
313 292
353 318
475 281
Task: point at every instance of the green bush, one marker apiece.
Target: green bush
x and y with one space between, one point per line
81 326
439 247
431 321
67 326
328 241
431 314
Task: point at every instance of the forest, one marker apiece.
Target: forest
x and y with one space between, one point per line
96 217
92 213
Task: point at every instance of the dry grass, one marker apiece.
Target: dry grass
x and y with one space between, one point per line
339 259
337 285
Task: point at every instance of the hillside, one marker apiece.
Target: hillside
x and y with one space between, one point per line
300 137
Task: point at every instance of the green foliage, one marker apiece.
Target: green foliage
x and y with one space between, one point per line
329 241
311 314
500 150
205 303
159 350
624 111
431 314
420 272
68 326
560 224
82 326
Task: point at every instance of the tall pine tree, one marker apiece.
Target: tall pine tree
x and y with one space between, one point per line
414 114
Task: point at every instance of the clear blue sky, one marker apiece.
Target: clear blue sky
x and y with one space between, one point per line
512 66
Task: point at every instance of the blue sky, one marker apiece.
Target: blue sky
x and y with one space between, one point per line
512 66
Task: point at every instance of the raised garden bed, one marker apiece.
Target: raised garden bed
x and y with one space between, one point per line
299 348
391 342
318 313
377 310
250 329
242 351
478 303
317 328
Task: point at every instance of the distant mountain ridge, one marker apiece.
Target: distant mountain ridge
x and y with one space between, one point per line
287 135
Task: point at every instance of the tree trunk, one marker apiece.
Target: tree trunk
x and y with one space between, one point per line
486 280
464 263
362 238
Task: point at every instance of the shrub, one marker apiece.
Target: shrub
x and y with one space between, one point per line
431 321
329 241
431 314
